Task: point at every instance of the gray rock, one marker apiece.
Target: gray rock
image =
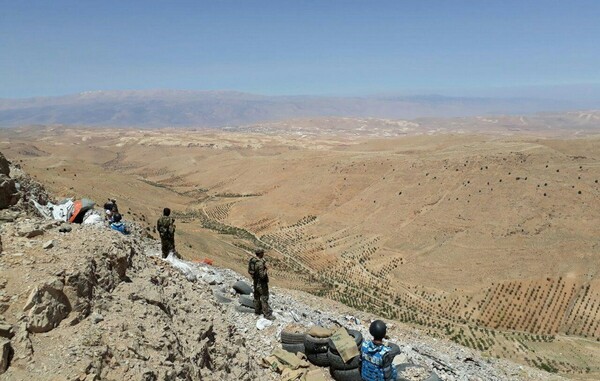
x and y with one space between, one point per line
29 230
6 330
96 318
22 342
8 192
5 354
4 165
65 229
48 244
212 279
51 224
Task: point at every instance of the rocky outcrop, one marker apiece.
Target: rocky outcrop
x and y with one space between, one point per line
73 290
16 187
6 330
8 192
8 189
4 165
5 354
47 305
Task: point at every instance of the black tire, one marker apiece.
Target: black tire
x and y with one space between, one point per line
244 309
318 359
242 287
292 337
247 301
293 348
222 298
337 363
358 339
316 345
346 375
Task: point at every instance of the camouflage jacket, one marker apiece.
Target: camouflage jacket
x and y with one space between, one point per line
260 273
166 226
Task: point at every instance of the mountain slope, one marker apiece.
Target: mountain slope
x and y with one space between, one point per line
164 108
99 305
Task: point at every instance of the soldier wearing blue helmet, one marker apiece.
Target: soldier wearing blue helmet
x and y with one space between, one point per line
376 357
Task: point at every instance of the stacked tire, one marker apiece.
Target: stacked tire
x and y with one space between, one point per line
293 341
242 288
316 349
246 301
340 370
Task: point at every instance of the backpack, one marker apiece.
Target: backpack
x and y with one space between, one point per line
164 225
252 267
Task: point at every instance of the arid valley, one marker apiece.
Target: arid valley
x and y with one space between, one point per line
489 239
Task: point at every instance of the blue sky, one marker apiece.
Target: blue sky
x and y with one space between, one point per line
298 47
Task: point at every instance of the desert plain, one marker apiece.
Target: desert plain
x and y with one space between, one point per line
489 238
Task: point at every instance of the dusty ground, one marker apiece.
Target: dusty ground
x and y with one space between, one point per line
470 237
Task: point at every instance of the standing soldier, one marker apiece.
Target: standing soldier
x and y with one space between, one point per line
257 268
166 229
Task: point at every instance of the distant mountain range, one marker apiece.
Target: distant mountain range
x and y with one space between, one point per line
175 108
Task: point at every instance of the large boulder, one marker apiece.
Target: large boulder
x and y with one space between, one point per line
47 305
8 192
4 165
79 289
111 265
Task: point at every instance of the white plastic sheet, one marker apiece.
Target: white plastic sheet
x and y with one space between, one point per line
43 209
182 266
263 323
93 219
62 211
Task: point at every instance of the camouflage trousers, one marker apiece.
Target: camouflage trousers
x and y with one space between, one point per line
168 245
261 299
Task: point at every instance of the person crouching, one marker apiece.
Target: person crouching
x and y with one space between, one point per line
118 225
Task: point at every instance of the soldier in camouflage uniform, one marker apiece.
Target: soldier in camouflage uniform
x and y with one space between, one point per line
257 267
166 229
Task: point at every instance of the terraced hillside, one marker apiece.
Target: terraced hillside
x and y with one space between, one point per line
492 242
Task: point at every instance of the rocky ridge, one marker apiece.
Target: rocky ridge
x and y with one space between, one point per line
92 304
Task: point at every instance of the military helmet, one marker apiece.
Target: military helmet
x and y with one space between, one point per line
259 251
378 329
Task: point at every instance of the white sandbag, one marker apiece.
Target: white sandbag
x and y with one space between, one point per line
93 219
180 265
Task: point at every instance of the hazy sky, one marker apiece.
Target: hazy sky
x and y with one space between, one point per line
296 47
